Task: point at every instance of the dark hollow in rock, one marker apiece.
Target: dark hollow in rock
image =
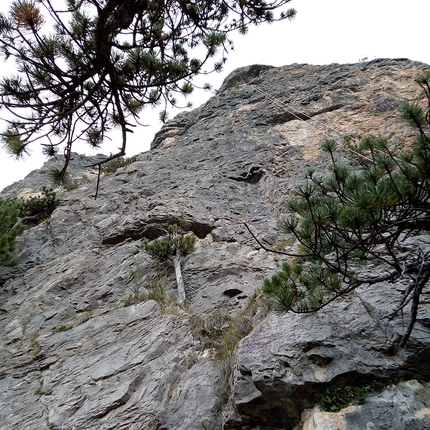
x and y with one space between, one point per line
232 292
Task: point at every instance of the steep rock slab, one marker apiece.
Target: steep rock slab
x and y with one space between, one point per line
118 369
232 160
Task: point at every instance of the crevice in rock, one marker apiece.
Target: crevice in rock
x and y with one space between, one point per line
122 399
328 109
156 228
232 292
283 117
253 176
280 118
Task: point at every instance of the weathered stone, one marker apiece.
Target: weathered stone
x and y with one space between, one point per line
400 407
13 331
73 357
290 358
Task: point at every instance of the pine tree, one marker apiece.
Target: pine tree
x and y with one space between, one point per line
16 213
37 208
9 229
89 66
376 196
171 249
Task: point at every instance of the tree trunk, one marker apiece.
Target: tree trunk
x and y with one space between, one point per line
178 274
421 281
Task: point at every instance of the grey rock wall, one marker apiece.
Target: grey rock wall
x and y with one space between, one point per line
73 357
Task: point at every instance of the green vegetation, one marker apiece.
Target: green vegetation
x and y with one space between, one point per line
284 244
161 249
63 328
80 319
136 276
10 229
58 178
115 164
117 57
333 398
15 213
72 185
156 288
219 332
38 390
223 332
374 198
39 207
34 343
170 249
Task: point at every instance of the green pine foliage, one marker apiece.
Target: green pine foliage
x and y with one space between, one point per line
115 164
58 178
39 207
374 196
161 249
15 213
170 249
117 57
10 229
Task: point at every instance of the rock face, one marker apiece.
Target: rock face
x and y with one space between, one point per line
73 356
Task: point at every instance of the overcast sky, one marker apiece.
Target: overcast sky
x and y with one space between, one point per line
324 32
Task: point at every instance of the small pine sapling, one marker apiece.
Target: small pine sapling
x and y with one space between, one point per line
39 207
171 249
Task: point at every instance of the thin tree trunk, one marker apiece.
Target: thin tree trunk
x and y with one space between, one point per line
178 274
422 280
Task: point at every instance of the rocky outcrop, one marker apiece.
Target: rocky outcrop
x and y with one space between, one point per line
283 364
73 356
399 407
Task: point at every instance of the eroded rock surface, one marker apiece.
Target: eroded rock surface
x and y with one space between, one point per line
401 407
73 357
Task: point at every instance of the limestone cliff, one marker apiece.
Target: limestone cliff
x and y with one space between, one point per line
91 335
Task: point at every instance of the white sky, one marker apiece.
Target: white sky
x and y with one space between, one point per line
324 32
